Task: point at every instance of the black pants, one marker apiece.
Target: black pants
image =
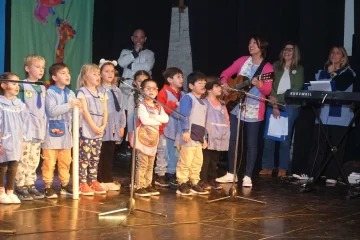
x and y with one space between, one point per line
320 150
105 166
8 168
209 166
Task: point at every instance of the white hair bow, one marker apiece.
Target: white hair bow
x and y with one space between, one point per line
102 61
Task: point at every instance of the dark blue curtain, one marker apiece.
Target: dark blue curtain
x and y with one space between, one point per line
115 21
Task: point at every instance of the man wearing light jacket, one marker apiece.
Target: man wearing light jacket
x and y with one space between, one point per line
135 59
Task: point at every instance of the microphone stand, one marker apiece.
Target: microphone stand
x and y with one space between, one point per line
233 189
131 203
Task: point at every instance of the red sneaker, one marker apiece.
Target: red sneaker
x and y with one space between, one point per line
97 188
85 189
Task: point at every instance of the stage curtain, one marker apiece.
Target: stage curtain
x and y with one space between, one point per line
29 35
220 32
115 22
2 34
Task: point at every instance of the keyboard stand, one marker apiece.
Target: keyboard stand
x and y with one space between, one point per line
333 150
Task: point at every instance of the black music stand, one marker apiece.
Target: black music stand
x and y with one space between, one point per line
309 187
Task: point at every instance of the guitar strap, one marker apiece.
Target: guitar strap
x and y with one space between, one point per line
260 68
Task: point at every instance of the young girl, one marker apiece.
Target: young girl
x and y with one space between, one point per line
92 125
114 131
218 133
139 76
14 118
150 117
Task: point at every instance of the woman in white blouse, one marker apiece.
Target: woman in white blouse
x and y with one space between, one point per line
289 74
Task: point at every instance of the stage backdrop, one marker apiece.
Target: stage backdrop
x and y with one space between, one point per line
2 34
60 31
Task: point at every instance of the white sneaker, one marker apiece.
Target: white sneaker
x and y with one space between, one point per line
227 178
4 199
247 182
331 181
14 198
112 186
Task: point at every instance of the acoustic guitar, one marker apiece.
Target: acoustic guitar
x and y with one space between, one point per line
244 83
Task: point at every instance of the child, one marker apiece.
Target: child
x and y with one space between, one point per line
217 131
13 121
114 131
34 98
151 116
93 122
166 159
58 138
139 76
191 140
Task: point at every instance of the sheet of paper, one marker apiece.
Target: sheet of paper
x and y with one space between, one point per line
320 86
278 126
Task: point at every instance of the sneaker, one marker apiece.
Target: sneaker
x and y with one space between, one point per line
142 192
85 190
111 186
4 199
301 176
14 199
184 189
331 181
197 189
171 179
152 191
266 172
227 178
96 187
23 194
66 190
214 185
205 185
34 192
247 182
282 173
50 192
161 181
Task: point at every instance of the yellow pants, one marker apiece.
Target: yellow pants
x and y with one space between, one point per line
63 159
189 164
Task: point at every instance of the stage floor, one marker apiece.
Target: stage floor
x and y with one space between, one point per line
288 214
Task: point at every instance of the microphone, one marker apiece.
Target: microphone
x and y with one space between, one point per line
243 84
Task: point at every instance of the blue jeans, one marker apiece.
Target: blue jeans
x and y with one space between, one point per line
172 156
251 139
167 156
285 146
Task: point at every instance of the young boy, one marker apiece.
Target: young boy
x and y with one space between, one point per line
167 154
34 98
191 139
58 138
151 116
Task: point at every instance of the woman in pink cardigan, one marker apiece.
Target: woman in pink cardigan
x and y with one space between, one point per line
252 113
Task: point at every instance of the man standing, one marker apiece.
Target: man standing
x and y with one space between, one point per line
135 59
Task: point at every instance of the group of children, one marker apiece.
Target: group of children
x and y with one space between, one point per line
36 122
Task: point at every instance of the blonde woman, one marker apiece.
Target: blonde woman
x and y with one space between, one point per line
289 74
335 117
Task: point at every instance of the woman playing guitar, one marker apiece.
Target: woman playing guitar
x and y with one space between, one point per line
252 110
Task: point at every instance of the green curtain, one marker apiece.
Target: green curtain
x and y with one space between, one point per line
29 35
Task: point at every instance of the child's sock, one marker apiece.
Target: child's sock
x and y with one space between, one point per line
2 190
47 185
8 192
64 185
